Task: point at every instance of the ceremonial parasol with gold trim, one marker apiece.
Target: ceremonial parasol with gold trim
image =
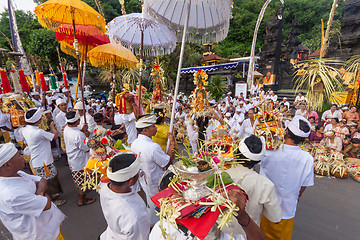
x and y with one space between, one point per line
53 13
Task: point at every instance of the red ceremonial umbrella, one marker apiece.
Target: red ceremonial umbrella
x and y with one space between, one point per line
5 81
86 35
43 83
23 82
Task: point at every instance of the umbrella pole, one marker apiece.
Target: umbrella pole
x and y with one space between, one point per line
76 49
113 100
179 71
141 63
77 86
83 83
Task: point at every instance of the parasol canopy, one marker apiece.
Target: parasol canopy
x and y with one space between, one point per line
208 19
112 56
86 35
70 50
53 13
158 39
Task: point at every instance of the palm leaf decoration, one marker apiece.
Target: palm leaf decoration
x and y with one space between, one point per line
217 87
353 66
321 77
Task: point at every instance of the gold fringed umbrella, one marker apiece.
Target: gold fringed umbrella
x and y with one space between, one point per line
113 56
53 13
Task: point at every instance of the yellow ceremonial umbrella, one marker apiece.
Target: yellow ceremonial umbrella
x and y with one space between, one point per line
53 13
113 56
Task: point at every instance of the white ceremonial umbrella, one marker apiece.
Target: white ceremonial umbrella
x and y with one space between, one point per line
143 35
207 20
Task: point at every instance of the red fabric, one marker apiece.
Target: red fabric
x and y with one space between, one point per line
24 85
64 77
43 83
201 226
5 81
86 35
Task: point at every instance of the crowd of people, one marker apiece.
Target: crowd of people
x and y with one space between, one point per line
32 199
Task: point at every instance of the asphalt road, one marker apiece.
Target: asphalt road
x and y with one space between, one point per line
329 210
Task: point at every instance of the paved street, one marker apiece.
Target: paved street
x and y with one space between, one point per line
330 210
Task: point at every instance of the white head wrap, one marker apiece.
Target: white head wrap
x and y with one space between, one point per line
78 106
60 101
65 90
124 174
212 101
35 94
47 111
7 151
228 114
145 121
252 156
294 126
74 119
36 117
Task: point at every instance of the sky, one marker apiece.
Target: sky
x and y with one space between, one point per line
28 5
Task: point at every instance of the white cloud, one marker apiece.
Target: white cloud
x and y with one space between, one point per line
27 5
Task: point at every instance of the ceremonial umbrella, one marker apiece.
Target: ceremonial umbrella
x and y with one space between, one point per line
53 13
137 31
207 20
88 37
5 81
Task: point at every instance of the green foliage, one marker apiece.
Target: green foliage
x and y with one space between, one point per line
43 43
308 13
217 87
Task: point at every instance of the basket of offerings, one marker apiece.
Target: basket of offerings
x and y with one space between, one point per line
322 168
269 126
339 169
197 195
220 143
353 168
102 150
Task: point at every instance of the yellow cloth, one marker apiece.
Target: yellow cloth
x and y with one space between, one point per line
60 236
6 136
281 231
96 163
161 136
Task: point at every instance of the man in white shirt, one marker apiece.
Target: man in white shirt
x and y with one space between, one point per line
247 105
248 125
260 190
180 115
291 171
89 119
154 161
36 99
69 99
124 210
273 97
25 208
129 120
330 114
286 103
239 115
78 153
60 117
42 160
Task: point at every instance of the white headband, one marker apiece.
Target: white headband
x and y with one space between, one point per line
74 119
124 174
36 117
60 101
146 121
7 151
79 106
252 156
294 126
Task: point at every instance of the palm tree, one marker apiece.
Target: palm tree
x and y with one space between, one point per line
217 87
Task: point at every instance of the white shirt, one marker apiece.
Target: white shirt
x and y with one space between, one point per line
76 150
38 141
90 121
22 212
247 129
37 103
274 98
289 170
328 114
302 98
328 127
5 121
125 214
239 117
286 104
153 160
336 145
193 135
262 197
60 121
304 114
129 120
179 115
